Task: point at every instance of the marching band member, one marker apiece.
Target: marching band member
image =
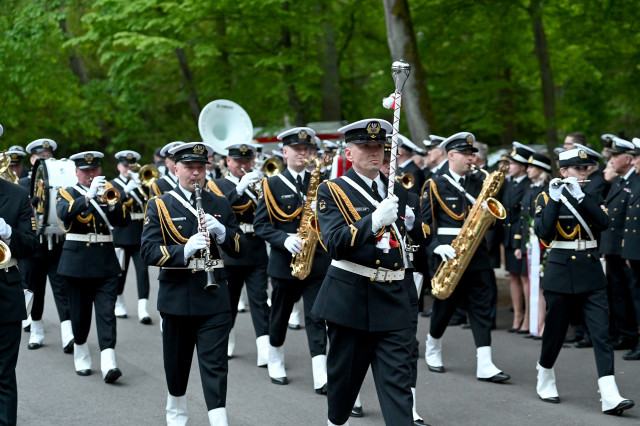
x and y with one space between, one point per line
127 238
43 264
169 181
282 201
89 261
406 151
251 268
570 222
446 202
174 238
17 231
17 154
367 277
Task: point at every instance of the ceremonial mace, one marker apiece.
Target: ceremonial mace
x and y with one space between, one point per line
400 72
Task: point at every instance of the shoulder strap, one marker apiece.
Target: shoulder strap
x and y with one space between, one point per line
184 203
573 210
169 180
457 186
95 206
291 186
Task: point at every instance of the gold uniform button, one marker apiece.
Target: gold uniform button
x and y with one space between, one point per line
612 229
615 209
453 205
288 207
377 262
372 279
179 226
573 257
395 265
390 281
401 228
88 244
193 271
589 255
101 244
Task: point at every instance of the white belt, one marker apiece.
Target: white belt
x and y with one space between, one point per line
197 264
449 231
577 245
89 238
379 275
247 228
136 216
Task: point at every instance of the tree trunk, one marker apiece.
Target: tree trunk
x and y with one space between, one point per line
188 80
403 45
330 78
507 110
300 117
548 89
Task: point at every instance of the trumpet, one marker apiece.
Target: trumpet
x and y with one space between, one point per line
5 255
108 195
5 172
272 167
149 173
557 184
407 180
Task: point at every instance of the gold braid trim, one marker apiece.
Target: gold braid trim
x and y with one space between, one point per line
425 230
272 206
128 203
447 210
87 219
545 198
155 190
165 256
344 204
67 197
236 239
211 186
167 224
243 208
563 234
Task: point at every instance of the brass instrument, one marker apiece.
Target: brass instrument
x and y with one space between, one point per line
208 262
5 172
272 167
254 187
466 243
407 180
222 123
5 255
108 195
308 231
149 173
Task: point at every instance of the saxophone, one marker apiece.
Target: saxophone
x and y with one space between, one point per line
308 230
449 272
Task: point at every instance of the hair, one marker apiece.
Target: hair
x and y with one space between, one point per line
543 178
578 137
483 150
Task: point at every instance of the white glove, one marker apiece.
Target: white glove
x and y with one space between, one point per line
409 218
247 179
555 190
130 186
215 227
5 229
385 214
195 243
445 251
135 177
293 244
574 188
96 183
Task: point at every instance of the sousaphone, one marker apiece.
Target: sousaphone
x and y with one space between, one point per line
223 123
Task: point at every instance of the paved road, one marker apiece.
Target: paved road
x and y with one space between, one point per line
50 393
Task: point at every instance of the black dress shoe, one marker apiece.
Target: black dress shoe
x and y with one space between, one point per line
573 339
583 344
279 380
122 316
34 345
536 337
112 375
322 390
624 344
427 313
522 331
552 400
294 326
419 422
356 412
528 336
436 369
512 330
146 321
624 405
27 329
498 378
457 321
83 372
69 348
632 355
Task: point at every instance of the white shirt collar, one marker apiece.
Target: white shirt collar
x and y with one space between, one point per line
122 178
295 174
439 166
233 179
377 180
173 177
456 176
186 193
629 173
520 179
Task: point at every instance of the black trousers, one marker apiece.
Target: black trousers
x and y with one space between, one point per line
287 292
351 352
410 285
255 277
474 291
86 294
142 271
594 309
209 335
9 347
36 271
635 288
619 277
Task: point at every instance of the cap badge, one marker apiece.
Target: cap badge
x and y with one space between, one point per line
14 157
530 159
513 152
198 149
302 134
46 144
373 128
608 138
243 148
129 156
582 154
88 158
469 139
613 144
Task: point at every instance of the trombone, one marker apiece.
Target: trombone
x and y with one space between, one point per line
148 173
272 167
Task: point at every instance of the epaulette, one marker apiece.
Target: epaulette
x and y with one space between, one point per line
272 206
166 224
211 186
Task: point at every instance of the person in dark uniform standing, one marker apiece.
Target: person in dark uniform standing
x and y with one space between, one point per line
17 231
569 222
239 187
89 261
169 181
512 195
406 165
192 316
43 264
619 275
280 208
364 234
446 203
127 238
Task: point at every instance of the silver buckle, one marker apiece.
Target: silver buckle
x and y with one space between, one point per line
580 247
200 264
381 274
93 238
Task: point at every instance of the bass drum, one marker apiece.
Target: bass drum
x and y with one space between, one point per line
48 177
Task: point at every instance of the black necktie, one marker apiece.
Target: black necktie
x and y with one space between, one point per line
299 182
376 194
461 181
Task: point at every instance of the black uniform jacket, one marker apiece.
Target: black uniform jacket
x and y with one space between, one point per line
616 203
570 271
43 245
528 211
81 259
168 225
352 300
129 235
15 209
165 184
443 206
512 197
245 209
631 241
597 185
418 175
278 215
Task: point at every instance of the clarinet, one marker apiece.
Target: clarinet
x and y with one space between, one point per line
208 262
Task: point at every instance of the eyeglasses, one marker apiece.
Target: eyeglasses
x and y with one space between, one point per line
466 153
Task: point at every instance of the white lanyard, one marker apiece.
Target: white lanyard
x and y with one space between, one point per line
291 186
133 194
457 186
168 179
96 206
185 203
577 215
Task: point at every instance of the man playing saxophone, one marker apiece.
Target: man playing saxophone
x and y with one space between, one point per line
446 204
278 217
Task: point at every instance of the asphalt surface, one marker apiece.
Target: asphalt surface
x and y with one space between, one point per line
50 393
